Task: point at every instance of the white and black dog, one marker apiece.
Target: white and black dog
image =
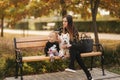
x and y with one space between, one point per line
65 40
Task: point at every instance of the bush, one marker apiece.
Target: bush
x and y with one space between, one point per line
44 67
2 66
112 57
82 26
22 25
118 54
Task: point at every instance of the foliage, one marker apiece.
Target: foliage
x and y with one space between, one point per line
112 59
111 5
44 67
13 9
3 6
16 10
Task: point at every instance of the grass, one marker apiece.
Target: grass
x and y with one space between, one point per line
114 69
112 44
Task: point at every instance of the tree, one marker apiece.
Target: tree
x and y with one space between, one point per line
81 7
94 8
64 7
3 6
16 11
43 7
111 5
13 10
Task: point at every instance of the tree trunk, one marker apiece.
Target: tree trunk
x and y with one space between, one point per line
64 9
94 9
2 23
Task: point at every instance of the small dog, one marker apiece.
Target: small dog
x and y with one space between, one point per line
65 40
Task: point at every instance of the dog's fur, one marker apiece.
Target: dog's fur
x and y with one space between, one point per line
65 40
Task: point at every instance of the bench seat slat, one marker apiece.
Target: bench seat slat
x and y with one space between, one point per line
42 58
37 58
91 54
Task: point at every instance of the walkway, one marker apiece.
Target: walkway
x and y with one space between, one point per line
79 75
31 32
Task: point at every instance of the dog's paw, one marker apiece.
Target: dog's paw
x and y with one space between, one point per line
60 55
69 45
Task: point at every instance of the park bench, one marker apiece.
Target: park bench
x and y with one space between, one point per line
40 41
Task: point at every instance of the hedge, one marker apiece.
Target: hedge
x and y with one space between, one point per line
82 26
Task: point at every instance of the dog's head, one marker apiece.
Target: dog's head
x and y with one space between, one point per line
65 38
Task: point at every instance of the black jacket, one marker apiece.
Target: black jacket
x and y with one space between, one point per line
50 44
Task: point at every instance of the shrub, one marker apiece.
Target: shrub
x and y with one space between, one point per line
112 57
112 26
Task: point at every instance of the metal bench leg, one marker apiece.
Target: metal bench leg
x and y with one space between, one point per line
21 65
91 63
21 71
102 63
16 70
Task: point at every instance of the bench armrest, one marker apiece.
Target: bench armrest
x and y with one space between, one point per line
101 49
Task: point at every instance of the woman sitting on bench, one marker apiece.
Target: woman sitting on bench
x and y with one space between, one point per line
74 51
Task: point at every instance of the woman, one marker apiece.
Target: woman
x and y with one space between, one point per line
68 27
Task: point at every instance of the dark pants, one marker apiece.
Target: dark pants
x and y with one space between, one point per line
75 55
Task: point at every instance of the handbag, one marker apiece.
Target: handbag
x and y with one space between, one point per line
85 43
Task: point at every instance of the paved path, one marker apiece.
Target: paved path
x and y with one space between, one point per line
31 32
79 75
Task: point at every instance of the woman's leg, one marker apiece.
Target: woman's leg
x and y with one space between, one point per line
82 65
72 57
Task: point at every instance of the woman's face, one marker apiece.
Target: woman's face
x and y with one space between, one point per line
65 22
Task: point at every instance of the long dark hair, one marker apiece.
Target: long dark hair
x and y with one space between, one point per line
70 28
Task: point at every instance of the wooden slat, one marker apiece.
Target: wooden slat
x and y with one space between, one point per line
91 54
42 58
34 41
37 58
31 44
36 38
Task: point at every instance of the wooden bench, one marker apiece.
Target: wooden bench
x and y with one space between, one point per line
40 41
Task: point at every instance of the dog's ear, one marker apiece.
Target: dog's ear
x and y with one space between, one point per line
62 34
67 34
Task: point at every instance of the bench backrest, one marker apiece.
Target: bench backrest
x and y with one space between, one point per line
25 42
